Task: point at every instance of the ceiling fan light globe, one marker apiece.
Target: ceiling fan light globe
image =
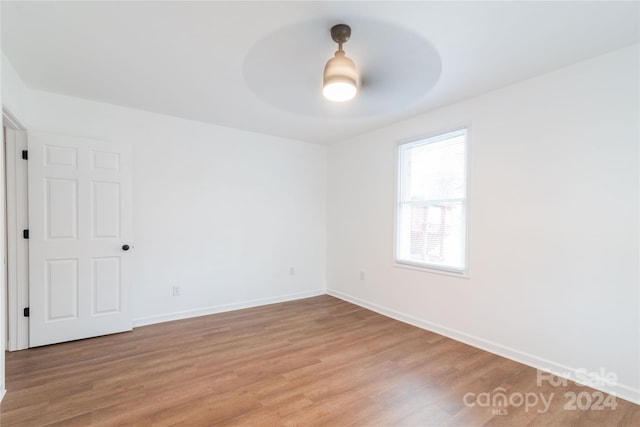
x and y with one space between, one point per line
340 91
340 82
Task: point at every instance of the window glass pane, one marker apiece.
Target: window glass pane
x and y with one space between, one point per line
433 234
436 170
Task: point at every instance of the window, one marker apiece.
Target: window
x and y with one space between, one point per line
431 216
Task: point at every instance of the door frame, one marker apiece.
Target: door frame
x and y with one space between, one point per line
17 249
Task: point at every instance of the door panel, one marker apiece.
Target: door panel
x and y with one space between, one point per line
79 219
107 285
61 209
106 210
61 289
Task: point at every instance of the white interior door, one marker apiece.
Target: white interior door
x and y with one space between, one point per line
80 228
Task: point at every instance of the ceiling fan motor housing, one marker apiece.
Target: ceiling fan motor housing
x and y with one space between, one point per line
341 33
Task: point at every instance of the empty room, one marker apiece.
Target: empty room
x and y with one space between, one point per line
315 213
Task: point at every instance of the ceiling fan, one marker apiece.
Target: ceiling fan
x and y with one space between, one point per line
340 80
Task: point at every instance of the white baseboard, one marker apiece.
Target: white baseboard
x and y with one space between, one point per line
204 311
619 390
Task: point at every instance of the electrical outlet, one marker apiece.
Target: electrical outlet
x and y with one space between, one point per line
361 275
292 271
177 291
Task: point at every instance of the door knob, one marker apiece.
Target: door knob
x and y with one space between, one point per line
125 247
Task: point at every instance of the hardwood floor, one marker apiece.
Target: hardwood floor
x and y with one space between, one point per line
318 361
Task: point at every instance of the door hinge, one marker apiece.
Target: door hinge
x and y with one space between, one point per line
26 312
25 234
25 155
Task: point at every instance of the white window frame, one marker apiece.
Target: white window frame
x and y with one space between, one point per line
427 267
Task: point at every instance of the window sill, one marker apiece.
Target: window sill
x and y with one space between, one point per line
432 270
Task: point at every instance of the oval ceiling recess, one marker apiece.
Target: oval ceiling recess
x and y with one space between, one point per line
397 67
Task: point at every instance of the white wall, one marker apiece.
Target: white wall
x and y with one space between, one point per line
13 89
553 222
220 212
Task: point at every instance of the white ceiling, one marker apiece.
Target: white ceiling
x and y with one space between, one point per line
223 62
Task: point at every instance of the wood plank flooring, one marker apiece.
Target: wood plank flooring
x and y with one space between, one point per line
313 362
